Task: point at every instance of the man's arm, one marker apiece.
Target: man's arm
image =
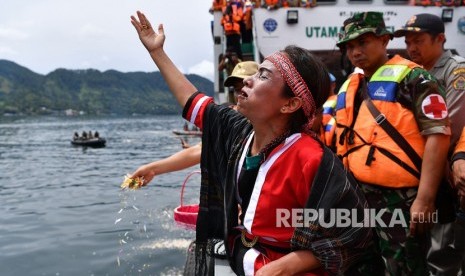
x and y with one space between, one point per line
432 170
180 160
458 164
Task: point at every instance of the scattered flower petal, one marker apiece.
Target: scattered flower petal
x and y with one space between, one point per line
132 183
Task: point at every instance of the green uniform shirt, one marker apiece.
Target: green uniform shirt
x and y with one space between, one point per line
421 92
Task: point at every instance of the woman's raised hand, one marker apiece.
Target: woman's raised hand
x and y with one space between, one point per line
147 35
153 41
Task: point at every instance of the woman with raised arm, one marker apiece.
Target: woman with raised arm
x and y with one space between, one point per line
190 155
266 161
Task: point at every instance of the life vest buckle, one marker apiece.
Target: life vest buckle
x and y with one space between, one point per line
380 118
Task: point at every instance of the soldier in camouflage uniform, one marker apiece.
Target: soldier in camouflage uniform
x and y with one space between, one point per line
425 39
393 135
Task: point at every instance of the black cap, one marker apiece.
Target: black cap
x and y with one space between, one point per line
423 22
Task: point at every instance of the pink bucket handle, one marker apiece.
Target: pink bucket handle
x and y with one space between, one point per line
184 183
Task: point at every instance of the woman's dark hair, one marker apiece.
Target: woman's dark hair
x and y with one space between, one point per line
315 75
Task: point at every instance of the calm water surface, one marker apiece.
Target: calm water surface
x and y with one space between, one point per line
62 212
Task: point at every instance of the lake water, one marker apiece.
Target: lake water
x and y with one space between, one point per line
62 211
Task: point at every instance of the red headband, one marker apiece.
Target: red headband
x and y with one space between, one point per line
297 84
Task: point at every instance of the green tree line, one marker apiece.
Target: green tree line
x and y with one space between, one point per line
23 91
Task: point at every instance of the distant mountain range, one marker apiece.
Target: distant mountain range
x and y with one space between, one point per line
87 91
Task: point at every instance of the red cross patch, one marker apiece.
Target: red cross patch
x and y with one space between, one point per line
434 107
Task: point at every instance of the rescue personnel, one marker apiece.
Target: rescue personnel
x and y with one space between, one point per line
393 135
307 3
247 23
290 3
231 22
227 64
218 5
272 4
425 39
235 80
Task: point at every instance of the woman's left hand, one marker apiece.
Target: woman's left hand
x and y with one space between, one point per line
147 35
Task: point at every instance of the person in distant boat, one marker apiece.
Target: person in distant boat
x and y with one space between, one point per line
265 158
76 136
96 135
84 135
90 136
190 155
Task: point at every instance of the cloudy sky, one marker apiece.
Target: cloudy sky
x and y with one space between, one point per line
44 35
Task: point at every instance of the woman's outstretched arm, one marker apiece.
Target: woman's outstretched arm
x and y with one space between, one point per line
178 161
179 85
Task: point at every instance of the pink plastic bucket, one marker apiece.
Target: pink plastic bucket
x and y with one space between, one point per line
186 215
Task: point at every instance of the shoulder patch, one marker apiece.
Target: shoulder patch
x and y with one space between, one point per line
434 107
459 71
459 83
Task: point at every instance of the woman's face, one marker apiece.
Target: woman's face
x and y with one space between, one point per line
262 96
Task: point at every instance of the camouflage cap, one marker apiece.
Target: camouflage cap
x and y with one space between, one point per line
362 23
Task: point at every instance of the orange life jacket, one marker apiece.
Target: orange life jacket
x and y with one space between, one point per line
232 15
271 3
367 150
423 3
328 122
308 3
